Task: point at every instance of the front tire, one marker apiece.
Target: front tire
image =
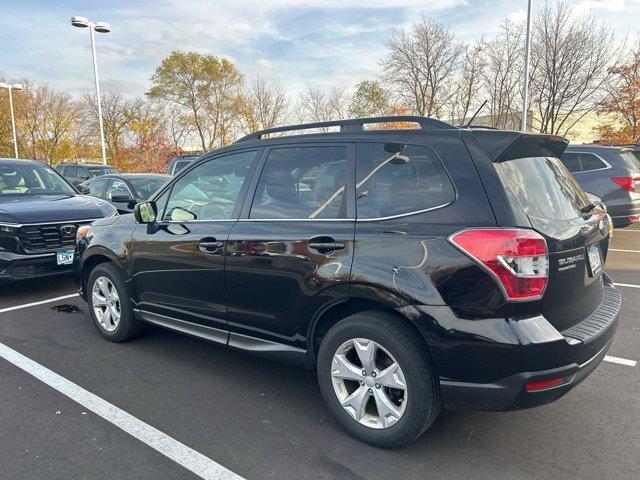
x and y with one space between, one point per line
378 380
110 305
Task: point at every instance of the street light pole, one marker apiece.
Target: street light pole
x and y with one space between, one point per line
95 76
527 48
100 27
10 88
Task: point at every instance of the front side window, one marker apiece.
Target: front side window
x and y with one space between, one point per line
210 190
302 183
117 188
71 171
96 187
396 179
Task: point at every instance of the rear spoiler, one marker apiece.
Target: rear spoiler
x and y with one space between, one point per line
501 146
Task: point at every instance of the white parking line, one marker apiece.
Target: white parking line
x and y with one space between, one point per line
621 361
41 302
630 285
623 250
197 463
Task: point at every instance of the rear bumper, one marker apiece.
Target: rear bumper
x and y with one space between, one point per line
485 364
510 393
15 266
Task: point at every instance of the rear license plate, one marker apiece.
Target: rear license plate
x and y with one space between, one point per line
595 261
64 257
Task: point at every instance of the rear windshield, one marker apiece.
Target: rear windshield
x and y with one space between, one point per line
542 187
630 160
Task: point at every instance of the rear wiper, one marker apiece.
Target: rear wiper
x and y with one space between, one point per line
587 208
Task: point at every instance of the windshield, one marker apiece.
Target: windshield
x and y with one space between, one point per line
542 187
31 179
97 171
145 187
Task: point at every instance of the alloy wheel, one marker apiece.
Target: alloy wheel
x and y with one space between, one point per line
369 383
106 303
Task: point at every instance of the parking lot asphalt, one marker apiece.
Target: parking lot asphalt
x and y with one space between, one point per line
263 420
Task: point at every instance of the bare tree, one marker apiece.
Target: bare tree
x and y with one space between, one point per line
420 63
317 105
115 119
179 128
467 92
570 55
502 76
264 105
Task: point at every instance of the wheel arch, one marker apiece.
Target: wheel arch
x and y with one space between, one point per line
95 257
354 304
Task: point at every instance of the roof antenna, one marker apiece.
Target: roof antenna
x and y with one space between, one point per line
476 114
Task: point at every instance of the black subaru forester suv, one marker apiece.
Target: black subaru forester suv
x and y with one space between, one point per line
412 269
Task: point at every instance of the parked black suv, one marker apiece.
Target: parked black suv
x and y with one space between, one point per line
76 173
39 215
439 266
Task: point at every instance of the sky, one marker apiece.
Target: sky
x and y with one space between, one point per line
294 42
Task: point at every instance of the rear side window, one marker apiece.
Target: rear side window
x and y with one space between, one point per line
582 162
630 161
542 187
71 171
302 182
395 179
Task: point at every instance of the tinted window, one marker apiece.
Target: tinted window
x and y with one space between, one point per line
393 179
302 182
210 190
630 161
542 187
571 161
71 171
582 162
145 187
117 187
83 173
96 187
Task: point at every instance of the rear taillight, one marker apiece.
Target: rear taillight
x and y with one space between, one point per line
631 184
518 258
545 384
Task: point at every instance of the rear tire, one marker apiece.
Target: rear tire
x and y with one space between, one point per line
413 408
110 305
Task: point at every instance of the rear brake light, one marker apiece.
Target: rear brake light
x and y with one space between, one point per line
517 258
544 384
634 218
631 184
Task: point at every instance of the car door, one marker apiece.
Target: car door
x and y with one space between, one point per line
178 263
290 254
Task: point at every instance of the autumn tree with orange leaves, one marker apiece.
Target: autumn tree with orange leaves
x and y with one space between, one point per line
623 102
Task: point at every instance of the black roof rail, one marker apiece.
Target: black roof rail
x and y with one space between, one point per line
351 125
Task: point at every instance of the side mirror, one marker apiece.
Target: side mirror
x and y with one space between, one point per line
121 198
145 212
83 189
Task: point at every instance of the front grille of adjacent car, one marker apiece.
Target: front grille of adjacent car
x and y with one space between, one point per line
599 320
48 237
